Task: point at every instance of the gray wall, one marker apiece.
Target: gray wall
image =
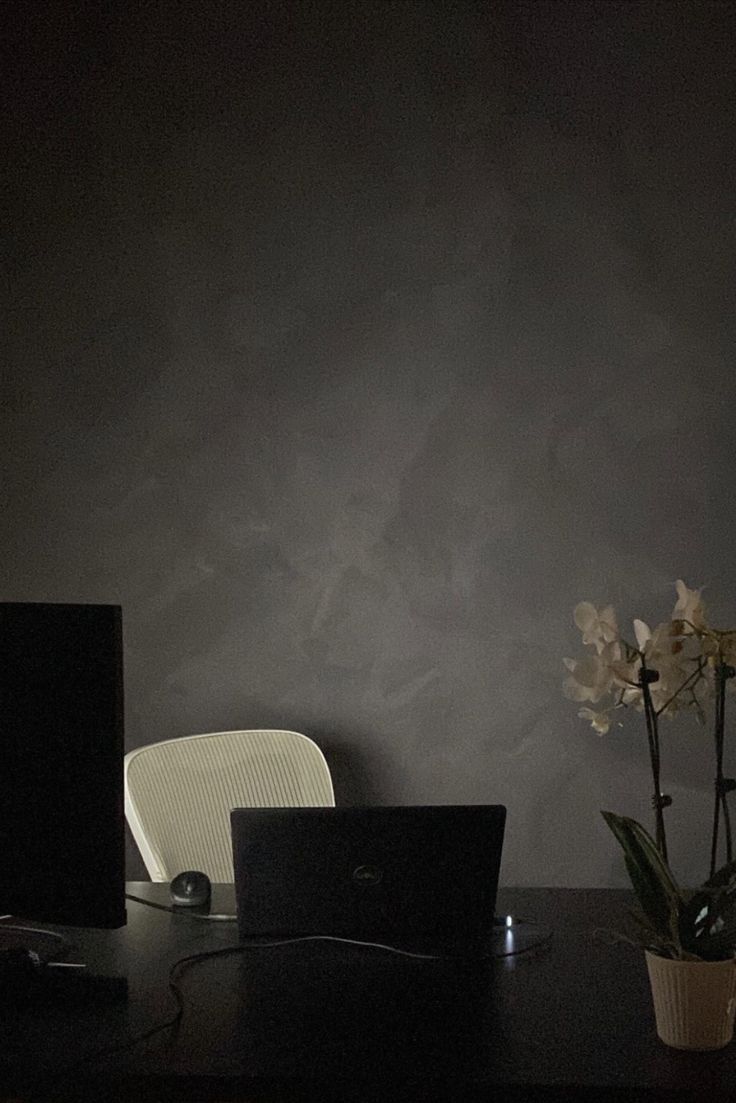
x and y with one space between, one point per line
349 347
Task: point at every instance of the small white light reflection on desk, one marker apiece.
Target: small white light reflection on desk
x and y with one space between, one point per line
509 941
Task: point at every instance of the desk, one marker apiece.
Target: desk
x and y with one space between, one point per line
335 1023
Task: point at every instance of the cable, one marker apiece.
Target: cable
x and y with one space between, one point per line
502 927
182 911
346 941
39 940
31 930
193 959
184 963
244 947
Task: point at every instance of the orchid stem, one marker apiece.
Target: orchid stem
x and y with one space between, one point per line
720 803
696 674
645 677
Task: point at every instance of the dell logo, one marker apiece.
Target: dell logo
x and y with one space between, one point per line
368 875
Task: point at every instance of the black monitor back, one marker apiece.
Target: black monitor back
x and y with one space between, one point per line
62 825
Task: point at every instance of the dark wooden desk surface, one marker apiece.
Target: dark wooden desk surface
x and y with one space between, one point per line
329 1022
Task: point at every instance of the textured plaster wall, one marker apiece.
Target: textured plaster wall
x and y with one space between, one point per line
349 346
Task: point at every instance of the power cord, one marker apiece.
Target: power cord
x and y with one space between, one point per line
208 918
543 935
10 932
182 964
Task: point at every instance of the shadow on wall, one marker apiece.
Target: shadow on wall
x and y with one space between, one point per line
352 777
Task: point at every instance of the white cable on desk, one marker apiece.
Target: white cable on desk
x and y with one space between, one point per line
508 925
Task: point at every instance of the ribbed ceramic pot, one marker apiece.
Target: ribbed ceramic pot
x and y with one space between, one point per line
694 1001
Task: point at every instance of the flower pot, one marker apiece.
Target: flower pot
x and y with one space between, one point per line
694 1001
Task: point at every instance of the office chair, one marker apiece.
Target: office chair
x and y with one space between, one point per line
178 793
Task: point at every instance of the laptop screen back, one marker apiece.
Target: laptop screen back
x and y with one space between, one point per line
422 874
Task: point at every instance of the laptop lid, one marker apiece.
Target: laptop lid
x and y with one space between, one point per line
415 874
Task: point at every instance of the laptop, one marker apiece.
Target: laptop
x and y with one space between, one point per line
414 877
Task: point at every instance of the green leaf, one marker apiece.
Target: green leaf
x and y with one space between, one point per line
725 877
715 901
658 894
715 947
650 938
708 920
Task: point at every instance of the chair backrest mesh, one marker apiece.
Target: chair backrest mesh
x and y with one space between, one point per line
179 793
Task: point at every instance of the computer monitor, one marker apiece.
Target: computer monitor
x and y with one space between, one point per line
62 825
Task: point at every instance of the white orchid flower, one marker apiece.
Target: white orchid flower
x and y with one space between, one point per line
633 697
689 605
664 653
626 673
684 652
598 627
643 634
591 678
662 644
600 721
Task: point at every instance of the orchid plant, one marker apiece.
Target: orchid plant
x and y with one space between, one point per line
683 663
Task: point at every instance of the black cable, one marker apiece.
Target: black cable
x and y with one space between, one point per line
12 936
184 963
500 926
205 955
191 959
182 910
243 947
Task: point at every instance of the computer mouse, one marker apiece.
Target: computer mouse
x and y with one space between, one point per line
191 889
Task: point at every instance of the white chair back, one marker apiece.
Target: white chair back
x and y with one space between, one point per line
179 793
